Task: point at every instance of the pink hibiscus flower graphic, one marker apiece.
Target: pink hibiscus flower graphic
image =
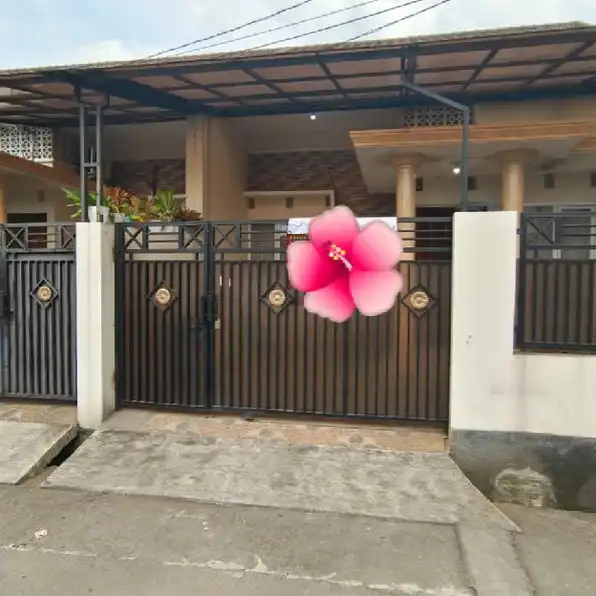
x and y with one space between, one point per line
344 268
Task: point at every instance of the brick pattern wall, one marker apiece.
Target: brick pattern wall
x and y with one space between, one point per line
298 170
140 177
317 170
379 205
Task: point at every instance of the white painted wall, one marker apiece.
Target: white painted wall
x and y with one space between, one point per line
96 360
137 142
571 188
493 388
26 194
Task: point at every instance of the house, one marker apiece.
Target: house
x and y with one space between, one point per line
500 121
241 134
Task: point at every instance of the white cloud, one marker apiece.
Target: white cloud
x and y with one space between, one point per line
108 50
137 28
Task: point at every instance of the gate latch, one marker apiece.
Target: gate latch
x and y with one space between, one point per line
210 308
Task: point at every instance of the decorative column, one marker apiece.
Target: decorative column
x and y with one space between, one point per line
405 208
196 162
405 196
513 177
3 198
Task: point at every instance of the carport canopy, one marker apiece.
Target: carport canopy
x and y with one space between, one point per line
493 65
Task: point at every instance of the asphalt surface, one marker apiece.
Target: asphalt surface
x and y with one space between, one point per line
60 542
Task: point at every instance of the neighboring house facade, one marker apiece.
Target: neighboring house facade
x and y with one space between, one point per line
532 137
254 164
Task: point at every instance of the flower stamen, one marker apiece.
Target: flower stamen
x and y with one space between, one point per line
337 253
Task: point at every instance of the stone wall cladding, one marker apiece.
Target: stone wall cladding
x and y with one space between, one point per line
289 171
140 176
318 170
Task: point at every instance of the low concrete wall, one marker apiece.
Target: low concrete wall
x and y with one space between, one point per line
522 426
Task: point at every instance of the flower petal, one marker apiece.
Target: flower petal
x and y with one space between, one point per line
308 270
376 248
333 302
337 226
374 292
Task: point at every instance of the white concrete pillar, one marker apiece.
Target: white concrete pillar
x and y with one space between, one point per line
196 162
96 395
483 373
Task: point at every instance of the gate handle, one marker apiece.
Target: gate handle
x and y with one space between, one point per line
210 308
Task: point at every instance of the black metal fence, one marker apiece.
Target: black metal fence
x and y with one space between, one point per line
37 311
207 319
556 304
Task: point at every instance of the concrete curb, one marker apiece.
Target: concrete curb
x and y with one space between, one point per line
36 446
492 563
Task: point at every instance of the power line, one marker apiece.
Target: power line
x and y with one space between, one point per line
279 28
344 23
233 29
386 25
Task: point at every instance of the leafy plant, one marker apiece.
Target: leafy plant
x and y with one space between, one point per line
74 198
188 214
164 206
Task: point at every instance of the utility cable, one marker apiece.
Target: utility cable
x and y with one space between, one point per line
279 28
349 22
386 25
233 29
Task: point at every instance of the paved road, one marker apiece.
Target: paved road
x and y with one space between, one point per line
56 542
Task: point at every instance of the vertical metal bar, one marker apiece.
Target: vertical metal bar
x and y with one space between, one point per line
83 162
465 158
591 303
580 303
120 305
522 283
98 161
207 383
567 306
5 332
465 111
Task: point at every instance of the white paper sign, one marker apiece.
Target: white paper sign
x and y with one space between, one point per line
300 226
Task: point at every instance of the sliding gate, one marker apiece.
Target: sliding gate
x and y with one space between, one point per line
207 320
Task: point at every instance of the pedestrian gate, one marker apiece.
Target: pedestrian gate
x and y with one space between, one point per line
207 320
37 311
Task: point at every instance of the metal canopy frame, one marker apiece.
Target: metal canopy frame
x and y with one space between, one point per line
465 141
38 102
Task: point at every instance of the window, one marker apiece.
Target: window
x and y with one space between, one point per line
419 184
267 240
433 239
549 181
472 183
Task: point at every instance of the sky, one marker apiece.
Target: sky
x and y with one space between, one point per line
58 32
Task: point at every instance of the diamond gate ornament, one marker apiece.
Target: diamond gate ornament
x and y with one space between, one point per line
419 301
